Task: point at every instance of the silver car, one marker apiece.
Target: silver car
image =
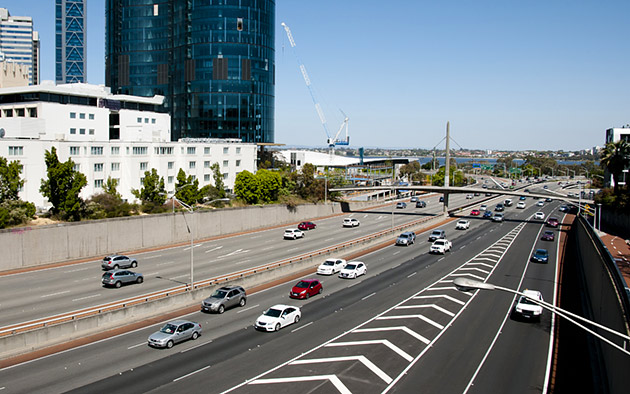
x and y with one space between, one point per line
223 298
174 332
118 278
406 238
116 261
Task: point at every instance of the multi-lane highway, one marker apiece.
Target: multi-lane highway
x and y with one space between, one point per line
401 327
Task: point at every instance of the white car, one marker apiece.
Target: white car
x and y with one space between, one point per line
469 196
350 222
539 215
331 266
483 207
293 233
520 205
353 269
441 246
540 203
278 316
462 225
498 217
527 308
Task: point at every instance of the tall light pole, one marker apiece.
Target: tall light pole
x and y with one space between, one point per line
465 284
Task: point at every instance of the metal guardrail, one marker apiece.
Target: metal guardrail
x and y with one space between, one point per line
87 312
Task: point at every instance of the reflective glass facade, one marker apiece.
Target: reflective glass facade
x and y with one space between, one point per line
18 42
213 60
70 44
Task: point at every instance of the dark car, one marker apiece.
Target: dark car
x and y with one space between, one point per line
441 198
421 204
477 194
306 226
548 236
540 256
223 298
487 214
306 288
522 198
553 222
499 208
118 278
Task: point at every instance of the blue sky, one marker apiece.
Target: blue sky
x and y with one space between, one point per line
538 74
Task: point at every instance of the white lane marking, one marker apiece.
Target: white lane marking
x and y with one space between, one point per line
455 300
181 276
55 294
466 274
292 249
192 373
462 247
421 317
395 253
301 327
367 296
237 251
251 307
437 307
194 246
474 269
79 269
328 239
269 248
332 378
85 298
256 236
370 365
410 275
84 279
195 347
242 262
165 263
138 345
441 258
395 328
484 264
153 257
384 342
213 249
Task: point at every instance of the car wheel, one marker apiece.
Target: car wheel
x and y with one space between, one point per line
242 302
169 344
221 309
320 290
118 284
195 335
297 319
134 264
116 266
140 280
307 296
277 328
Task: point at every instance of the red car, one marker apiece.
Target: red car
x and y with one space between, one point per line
474 212
552 222
306 226
306 288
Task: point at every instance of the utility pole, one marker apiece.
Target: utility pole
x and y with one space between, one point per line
448 165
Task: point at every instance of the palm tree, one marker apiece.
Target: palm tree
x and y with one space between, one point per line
616 157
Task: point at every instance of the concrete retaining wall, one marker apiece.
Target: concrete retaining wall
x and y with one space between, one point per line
34 246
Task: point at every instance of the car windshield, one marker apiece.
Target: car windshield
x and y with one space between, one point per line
462 222
527 301
541 252
273 312
350 266
168 328
328 262
437 233
302 284
219 294
403 236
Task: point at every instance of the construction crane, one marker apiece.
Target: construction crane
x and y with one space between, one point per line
331 141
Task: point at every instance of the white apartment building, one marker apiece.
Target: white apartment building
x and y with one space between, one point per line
106 135
616 134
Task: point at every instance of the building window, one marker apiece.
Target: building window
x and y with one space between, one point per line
91 131
225 163
238 151
192 164
19 112
16 150
191 150
143 166
76 167
225 176
98 167
82 131
75 150
206 164
91 116
206 150
115 166
170 179
73 115
139 120
98 183
115 150
140 150
32 112
226 150
73 131
171 164
193 177
96 150
81 116
152 120
206 177
238 163
146 120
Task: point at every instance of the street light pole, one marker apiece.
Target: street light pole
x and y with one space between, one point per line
465 284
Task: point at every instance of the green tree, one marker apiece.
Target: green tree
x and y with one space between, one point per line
615 157
246 187
63 186
187 188
10 181
110 188
269 184
218 180
152 193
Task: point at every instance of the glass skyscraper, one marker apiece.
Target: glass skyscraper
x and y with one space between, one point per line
70 41
19 43
213 60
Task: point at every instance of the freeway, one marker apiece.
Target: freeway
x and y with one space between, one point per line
400 327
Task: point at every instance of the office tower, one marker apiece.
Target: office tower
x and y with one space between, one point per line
212 60
19 43
70 41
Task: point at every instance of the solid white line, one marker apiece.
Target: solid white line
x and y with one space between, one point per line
55 294
439 308
385 342
85 298
192 373
367 296
455 300
400 328
369 364
421 317
301 327
138 345
251 307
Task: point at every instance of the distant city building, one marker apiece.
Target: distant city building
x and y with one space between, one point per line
19 43
106 135
12 74
70 41
212 60
613 135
